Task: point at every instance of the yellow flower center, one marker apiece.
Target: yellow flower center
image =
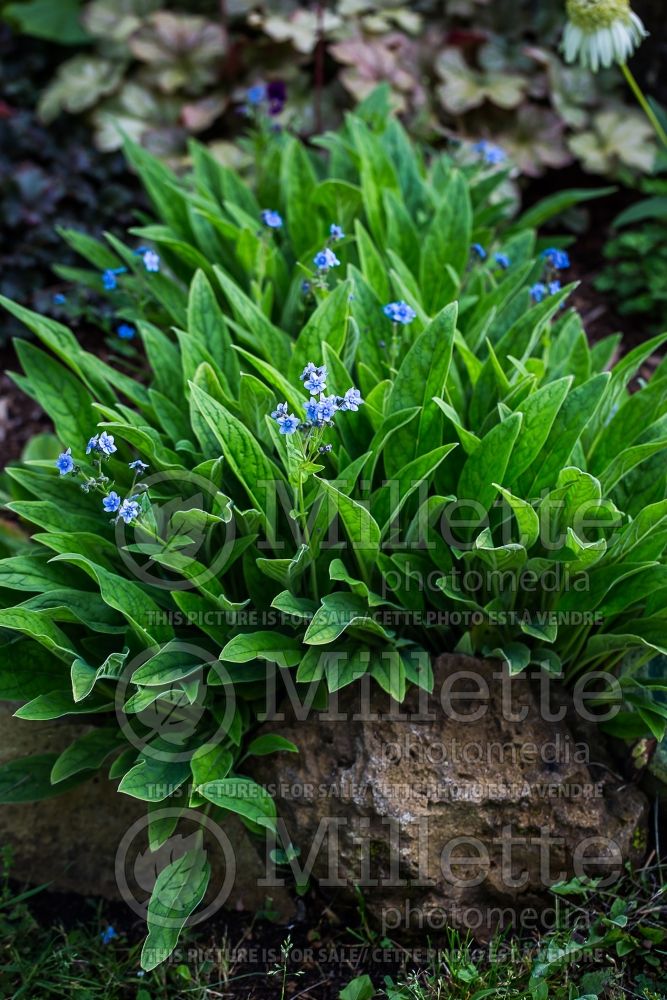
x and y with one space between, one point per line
589 15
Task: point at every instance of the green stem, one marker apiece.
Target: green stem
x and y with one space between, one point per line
646 107
303 514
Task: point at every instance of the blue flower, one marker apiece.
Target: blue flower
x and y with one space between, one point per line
311 410
129 509
138 465
326 408
125 331
559 259
109 280
554 287
276 94
288 424
256 94
59 299
479 251
314 378
539 292
502 260
151 260
111 503
400 312
280 412
316 383
325 259
92 444
65 462
108 935
336 232
272 219
105 444
492 154
351 400
305 287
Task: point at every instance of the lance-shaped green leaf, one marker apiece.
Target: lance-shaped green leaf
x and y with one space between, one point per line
488 464
275 647
447 244
539 412
157 775
87 753
84 677
326 325
421 376
210 762
515 654
270 340
38 625
362 529
575 413
60 394
28 779
140 610
173 662
244 797
178 891
627 460
339 612
256 473
645 525
526 517
297 184
269 743
416 475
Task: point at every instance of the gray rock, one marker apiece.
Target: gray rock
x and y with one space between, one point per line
72 841
465 813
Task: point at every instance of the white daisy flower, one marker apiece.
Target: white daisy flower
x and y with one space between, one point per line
601 32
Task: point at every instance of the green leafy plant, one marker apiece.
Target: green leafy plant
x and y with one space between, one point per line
634 275
606 940
160 72
391 430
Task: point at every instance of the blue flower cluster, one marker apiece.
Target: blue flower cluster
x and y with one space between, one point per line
272 219
325 259
151 261
150 258
558 259
274 94
125 331
102 445
490 153
127 510
110 277
501 259
540 291
321 408
400 312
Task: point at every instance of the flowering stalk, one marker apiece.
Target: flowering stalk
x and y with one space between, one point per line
102 446
644 103
602 32
400 314
305 438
